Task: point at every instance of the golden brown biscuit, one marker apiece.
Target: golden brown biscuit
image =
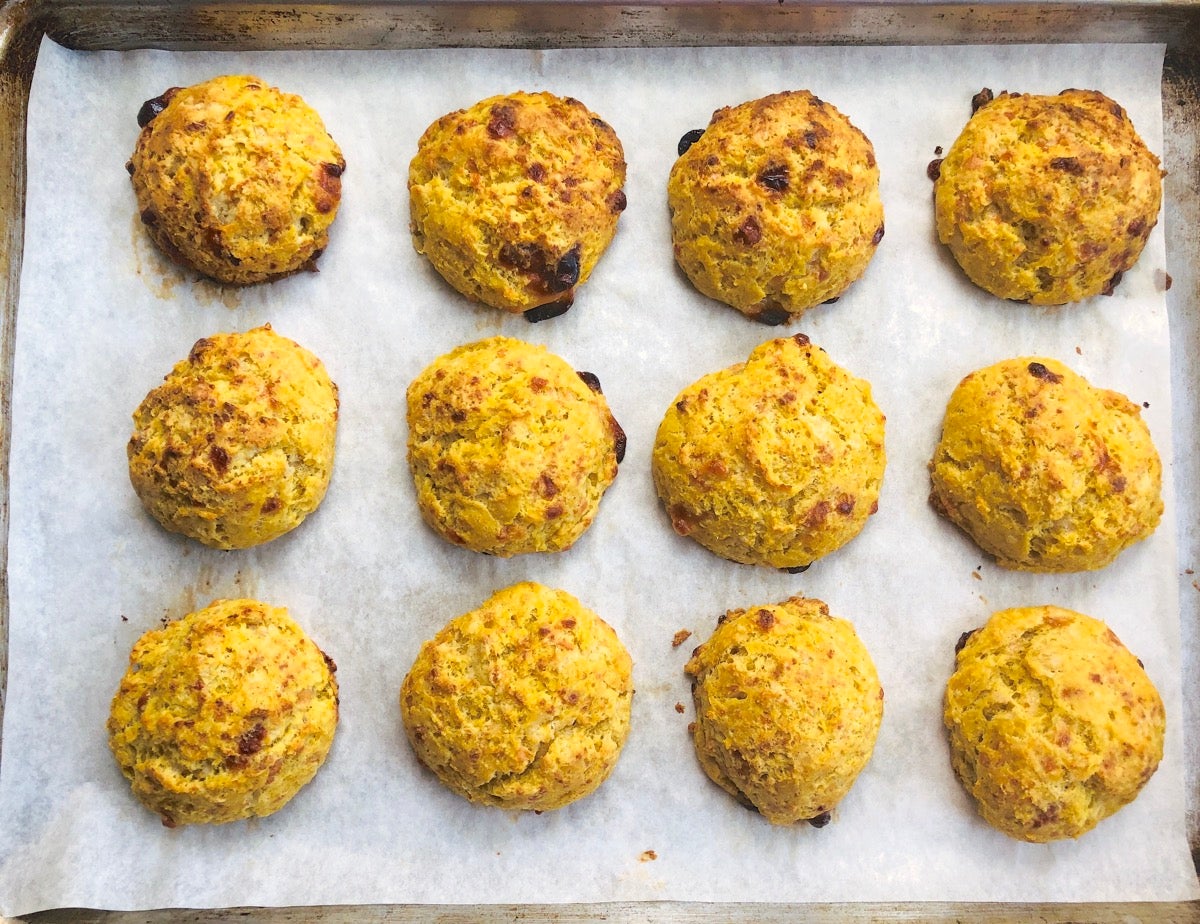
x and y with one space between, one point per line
223 714
776 461
788 706
523 703
514 199
1053 724
236 447
1047 199
1044 471
510 448
236 179
775 208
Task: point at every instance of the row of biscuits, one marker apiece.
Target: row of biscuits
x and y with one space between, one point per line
775 207
524 703
776 461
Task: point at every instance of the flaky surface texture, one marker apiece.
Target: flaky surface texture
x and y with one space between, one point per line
776 461
788 706
776 207
1048 199
1044 471
510 449
514 199
236 179
223 714
236 447
523 703
1053 724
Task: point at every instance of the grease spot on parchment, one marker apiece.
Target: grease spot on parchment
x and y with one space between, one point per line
160 275
209 585
163 277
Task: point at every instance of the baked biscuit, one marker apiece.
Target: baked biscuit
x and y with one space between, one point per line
776 461
510 448
514 199
236 179
223 714
788 706
775 208
1047 199
1044 471
1053 724
523 703
236 447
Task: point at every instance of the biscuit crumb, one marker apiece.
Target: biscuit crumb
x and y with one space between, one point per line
648 855
977 575
679 708
680 637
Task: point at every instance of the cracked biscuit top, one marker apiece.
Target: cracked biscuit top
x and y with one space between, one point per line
1047 199
775 207
236 179
1054 725
514 199
1043 470
236 446
523 703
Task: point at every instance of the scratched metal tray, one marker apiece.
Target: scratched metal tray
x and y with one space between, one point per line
365 24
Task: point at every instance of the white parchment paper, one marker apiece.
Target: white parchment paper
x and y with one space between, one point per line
102 318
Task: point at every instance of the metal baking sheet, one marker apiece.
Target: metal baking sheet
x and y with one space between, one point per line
524 24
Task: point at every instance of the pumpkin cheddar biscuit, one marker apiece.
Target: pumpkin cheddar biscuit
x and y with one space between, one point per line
511 450
514 199
1044 471
236 446
1054 725
1047 199
522 703
775 207
224 714
788 707
236 179
776 461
